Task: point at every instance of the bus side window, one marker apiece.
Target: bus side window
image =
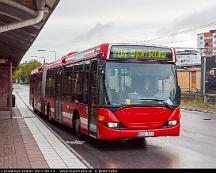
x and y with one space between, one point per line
93 80
53 83
78 83
73 80
86 82
69 88
38 83
49 84
47 87
64 86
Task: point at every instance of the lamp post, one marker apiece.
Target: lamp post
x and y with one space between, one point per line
203 69
43 50
39 57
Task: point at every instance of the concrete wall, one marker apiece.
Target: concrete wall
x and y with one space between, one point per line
4 73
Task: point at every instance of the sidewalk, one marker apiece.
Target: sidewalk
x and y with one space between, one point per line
18 148
198 109
25 142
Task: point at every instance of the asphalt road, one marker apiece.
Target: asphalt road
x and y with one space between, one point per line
194 148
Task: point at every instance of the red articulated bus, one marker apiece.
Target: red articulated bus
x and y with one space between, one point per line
112 91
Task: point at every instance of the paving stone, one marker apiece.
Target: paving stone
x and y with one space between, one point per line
38 145
17 144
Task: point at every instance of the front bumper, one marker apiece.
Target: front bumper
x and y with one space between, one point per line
105 133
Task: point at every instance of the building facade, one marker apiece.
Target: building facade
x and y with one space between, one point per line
187 57
206 44
188 70
189 78
189 63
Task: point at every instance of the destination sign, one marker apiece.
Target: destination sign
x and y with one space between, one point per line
140 52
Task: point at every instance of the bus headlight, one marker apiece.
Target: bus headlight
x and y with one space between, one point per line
112 124
172 123
115 125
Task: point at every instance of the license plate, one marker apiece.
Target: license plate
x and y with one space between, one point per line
145 134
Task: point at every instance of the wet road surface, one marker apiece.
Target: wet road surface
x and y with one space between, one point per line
195 148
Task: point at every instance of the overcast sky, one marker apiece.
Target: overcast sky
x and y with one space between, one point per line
81 24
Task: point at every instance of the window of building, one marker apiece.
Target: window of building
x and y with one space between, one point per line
193 80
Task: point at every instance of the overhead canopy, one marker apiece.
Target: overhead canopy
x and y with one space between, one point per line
14 43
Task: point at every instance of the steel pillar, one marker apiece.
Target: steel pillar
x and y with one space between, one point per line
10 80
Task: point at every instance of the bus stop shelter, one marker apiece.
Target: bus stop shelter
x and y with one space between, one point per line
20 23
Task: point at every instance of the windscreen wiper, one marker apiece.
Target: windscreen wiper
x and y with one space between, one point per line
160 100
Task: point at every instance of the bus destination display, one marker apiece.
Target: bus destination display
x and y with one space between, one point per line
140 52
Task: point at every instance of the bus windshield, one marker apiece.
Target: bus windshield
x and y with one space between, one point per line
129 83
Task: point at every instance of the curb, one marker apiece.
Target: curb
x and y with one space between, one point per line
199 110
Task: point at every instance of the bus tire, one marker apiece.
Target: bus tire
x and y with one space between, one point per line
77 127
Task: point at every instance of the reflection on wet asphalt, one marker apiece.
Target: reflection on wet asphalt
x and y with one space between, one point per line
195 148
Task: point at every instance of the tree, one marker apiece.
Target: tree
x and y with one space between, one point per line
23 71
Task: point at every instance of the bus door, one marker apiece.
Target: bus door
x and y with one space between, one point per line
58 96
92 107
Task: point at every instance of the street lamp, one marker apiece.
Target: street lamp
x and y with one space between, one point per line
43 50
39 57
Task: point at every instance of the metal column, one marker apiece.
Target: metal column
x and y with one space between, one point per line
10 88
204 79
189 81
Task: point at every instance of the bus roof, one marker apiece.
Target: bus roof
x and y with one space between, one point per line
103 50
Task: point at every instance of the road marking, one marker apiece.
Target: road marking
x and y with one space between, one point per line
75 142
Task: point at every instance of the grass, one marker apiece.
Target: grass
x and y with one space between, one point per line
197 103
